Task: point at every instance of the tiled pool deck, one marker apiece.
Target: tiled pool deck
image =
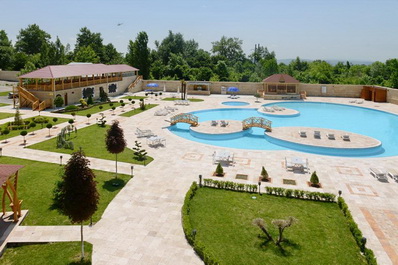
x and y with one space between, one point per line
142 225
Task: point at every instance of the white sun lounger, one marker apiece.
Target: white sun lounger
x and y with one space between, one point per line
359 101
330 136
224 123
303 133
214 123
268 109
378 173
223 156
393 173
144 133
346 137
317 134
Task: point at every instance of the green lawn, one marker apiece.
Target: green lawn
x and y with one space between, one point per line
95 109
5 115
38 127
134 97
65 253
137 110
92 140
223 220
4 93
36 183
3 104
190 99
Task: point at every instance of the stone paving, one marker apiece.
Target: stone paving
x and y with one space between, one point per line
142 225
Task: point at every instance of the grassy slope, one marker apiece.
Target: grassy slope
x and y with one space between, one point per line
223 220
36 183
52 253
92 141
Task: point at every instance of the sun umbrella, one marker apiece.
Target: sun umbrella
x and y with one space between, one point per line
152 85
232 89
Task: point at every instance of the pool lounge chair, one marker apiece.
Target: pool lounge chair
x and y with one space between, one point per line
214 123
353 101
346 137
378 173
144 133
317 134
393 173
223 156
224 123
330 136
268 109
303 133
359 101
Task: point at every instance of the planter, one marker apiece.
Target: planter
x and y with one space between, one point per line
319 185
269 180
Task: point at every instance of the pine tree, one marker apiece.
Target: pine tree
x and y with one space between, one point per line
139 152
314 179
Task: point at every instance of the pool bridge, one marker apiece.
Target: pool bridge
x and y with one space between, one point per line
257 122
185 118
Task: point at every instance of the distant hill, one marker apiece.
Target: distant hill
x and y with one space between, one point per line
332 62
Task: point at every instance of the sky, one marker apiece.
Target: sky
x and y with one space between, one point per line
365 30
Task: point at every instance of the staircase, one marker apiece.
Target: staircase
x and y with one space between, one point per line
134 83
27 99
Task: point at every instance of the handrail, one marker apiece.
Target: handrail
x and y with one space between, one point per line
35 105
27 94
135 82
42 106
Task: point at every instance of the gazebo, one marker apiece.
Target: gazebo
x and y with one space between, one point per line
9 183
281 84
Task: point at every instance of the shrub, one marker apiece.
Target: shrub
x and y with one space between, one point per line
314 179
55 119
103 95
71 108
111 104
6 131
219 170
58 101
32 124
71 121
23 133
121 101
264 174
90 100
83 103
101 107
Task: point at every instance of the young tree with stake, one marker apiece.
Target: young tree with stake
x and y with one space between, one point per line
115 142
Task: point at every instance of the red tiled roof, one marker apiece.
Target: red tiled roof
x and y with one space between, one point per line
57 71
8 170
281 78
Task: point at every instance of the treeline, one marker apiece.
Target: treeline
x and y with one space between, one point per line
175 58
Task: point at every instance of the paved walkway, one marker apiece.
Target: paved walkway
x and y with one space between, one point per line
142 225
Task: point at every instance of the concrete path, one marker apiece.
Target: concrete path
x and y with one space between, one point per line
142 225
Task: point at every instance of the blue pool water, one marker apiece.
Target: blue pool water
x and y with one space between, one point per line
380 125
235 103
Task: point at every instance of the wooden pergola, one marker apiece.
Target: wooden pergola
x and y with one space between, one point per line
280 84
9 183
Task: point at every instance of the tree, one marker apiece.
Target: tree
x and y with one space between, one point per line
103 96
86 54
282 224
58 101
6 52
138 54
262 225
23 134
219 170
314 179
115 142
111 55
230 48
87 38
88 118
139 153
173 43
49 126
32 40
17 118
221 70
264 174
78 196
57 53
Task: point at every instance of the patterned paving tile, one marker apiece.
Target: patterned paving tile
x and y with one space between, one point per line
192 156
349 171
360 189
242 161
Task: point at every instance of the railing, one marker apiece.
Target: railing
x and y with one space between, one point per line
42 106
73 84
26 94
133 84
31 99
257 122
185 118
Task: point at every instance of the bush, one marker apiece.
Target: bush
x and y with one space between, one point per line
55 119
314 179
83 103
23 133
71 121
71 108
264 175
90 100
32 124
58 101
219 170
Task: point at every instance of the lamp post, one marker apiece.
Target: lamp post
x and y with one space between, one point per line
132 171
200 181
60 160
340 192
259 188
1 151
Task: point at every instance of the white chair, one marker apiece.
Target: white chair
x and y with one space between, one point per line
214 123
144 133
224 123
317 134
393 173
359 101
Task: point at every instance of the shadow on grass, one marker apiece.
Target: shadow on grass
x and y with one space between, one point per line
113 184
81 262
284 250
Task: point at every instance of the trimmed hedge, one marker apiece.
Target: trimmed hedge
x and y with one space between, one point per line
368 253
301 194
229 185
199 248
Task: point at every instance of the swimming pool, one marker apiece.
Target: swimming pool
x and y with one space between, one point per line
235 103
377 124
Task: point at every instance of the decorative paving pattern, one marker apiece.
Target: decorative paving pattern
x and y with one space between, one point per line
242 161
384 224
192 156
360 189
349 171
